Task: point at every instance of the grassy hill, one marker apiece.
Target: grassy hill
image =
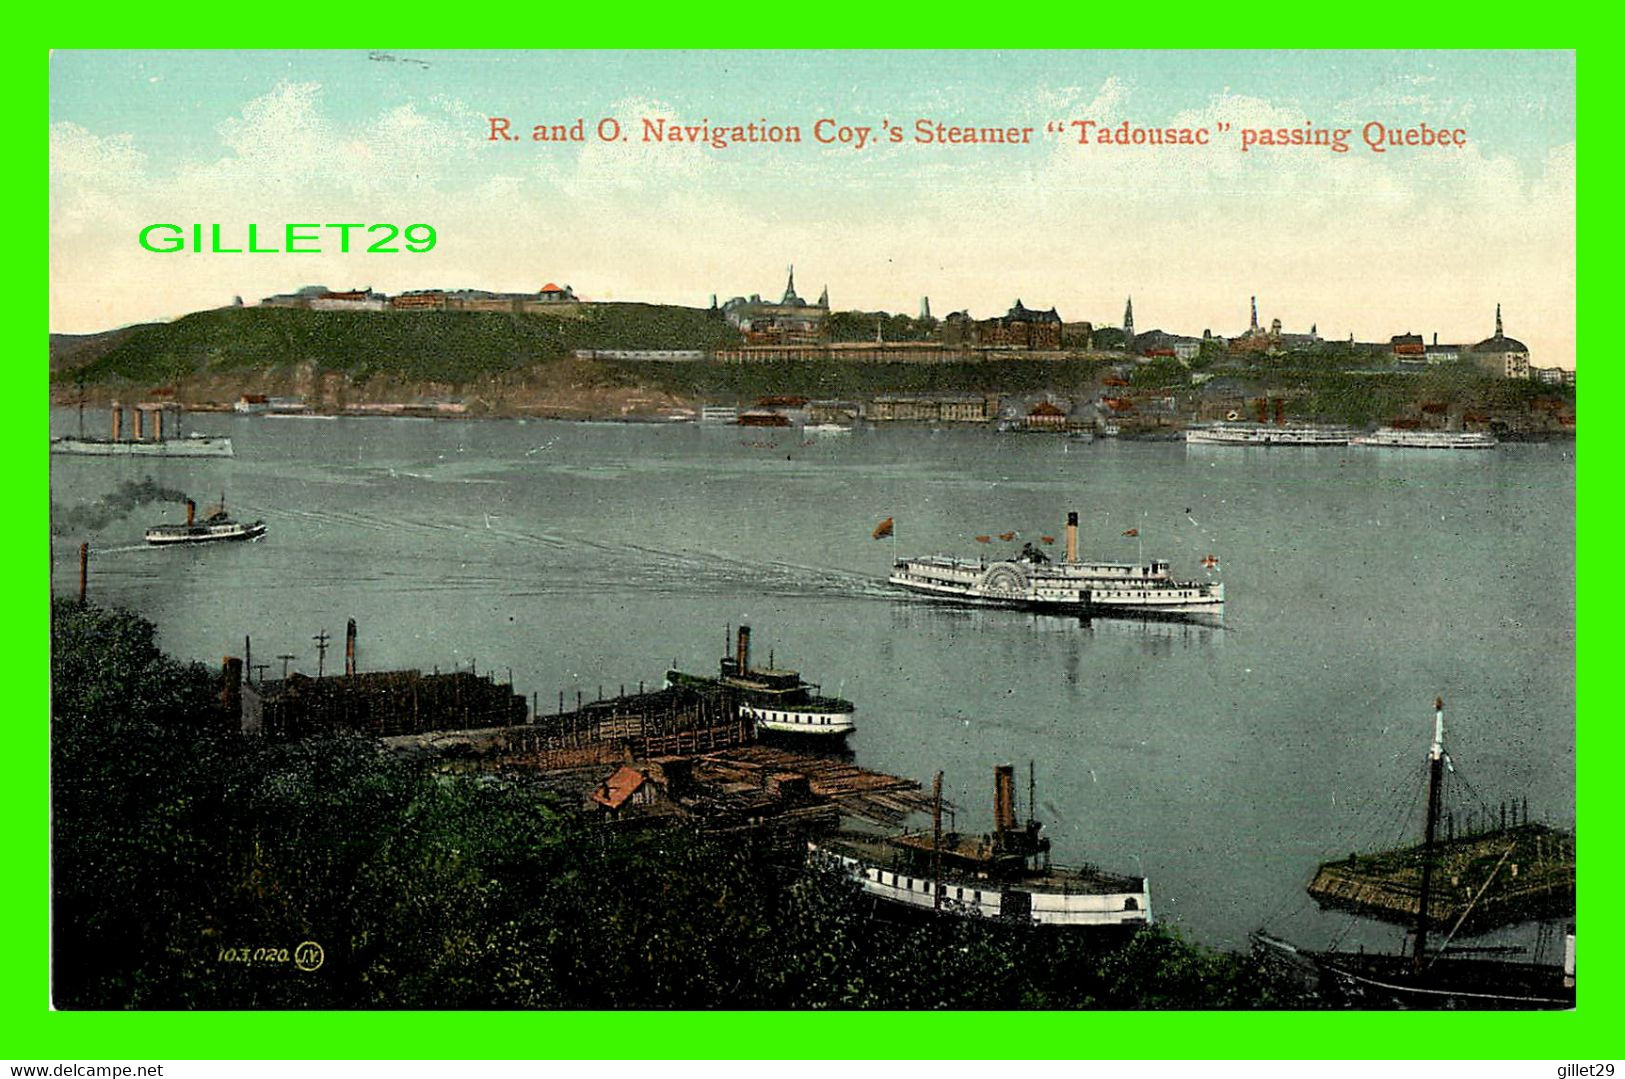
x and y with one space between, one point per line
428 346
70 351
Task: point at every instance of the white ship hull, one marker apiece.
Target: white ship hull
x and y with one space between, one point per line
1098 588
190 446
1008 901
798 720
1427 440
1244 434
166 535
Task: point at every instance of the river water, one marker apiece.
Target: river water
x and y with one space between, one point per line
1223 762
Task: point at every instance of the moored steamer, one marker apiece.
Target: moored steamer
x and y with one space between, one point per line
1032 580
1004 876
1263 434
773 699
1401 438
147 437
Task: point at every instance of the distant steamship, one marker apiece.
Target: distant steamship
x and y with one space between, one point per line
1032 580
147 418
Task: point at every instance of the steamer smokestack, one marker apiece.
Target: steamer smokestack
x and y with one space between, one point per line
1072 536
742 653
349 649
1004 798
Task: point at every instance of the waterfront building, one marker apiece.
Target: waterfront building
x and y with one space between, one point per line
933 408
1045 416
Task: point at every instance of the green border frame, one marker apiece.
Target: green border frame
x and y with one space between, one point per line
34 1032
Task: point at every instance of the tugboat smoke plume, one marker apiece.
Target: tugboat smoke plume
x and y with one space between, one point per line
109 508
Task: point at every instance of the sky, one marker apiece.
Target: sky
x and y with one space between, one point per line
1424 240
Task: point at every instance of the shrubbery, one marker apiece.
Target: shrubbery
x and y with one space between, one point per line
176 844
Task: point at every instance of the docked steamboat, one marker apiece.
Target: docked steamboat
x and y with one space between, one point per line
1263 434
773 699
1405 439
1004 876
1033 580
147 439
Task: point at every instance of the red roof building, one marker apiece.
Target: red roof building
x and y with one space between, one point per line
627 786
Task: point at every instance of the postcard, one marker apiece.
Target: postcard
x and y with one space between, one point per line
774 530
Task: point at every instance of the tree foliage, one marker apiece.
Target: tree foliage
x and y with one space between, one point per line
190 863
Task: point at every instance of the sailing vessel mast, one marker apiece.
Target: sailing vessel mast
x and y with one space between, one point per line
1435 783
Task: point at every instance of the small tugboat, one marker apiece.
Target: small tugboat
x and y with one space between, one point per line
216 527
1031 580
1005 875
774 700
1502 876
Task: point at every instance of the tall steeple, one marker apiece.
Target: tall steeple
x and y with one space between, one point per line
1498 320
823 298
1254 327
790 288
1128 325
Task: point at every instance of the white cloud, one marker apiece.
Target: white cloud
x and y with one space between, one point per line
1377 244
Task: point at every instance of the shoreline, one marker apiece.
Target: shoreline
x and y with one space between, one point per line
1171 432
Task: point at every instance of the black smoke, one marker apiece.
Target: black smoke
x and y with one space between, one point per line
109 508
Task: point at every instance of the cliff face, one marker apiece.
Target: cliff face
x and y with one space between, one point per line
488 363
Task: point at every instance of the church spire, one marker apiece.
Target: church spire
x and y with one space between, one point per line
1128 325
1255 315
790 287
1498 320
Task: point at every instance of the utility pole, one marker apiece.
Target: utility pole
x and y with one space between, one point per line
321 651
261 668
936 842
285 657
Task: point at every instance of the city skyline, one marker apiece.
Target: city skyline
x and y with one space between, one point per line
1355 242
